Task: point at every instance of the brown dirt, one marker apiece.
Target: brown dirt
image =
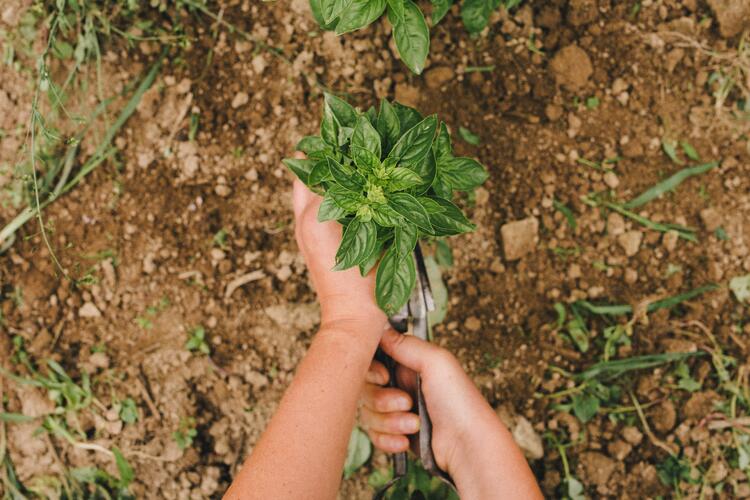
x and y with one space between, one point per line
144 227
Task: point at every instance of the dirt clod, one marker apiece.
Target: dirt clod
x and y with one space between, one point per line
733 16
571 67
439 76
519 237
596 468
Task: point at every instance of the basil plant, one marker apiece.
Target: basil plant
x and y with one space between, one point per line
388 177
409 27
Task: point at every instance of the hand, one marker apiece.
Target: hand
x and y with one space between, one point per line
468 439
346 298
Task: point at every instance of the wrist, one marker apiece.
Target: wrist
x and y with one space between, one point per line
358 317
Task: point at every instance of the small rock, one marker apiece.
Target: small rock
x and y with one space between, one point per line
439 76
700 404
571 67
669 240
615 224
240 99
574 272
527 439
619 86
611 180
407 94
99 360
582 12
711 219
630 242
733 16
284 273
717 472
519 237
222 190
553 112
148 263
632 435
89 310
473 324
673 58
596 468
664 416
217 254
619 449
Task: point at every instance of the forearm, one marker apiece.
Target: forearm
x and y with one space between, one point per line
302 452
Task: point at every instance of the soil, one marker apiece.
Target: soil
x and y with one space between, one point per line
145 227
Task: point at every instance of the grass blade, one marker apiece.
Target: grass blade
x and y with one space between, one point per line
686 233
668 184
623 309
611 369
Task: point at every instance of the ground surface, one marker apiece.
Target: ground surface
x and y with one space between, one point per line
145 227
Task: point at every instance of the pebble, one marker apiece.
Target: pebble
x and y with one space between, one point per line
611 180
631 276
473 324
632 435
630 242
619 449
217 254
571 67
553 112
669 240
284 273
240 99
711 219
519 237
574 272
528 439
439 76
99 360
89 310
615 224
223 190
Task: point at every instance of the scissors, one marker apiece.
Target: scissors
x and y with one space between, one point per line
412 319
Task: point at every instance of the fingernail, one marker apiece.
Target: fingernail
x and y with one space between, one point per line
409 425
402 404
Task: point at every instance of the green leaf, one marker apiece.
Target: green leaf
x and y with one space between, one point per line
15 418
388 126
301 168
445 217
669 184
441 187
357 244
403 178
311 144
443 254
331 9
414 145
575 489
345 114
476 14
690 151
344 198
320 173
123 467
385 216
365 160
670 149
442 145
359 14
468 136
463 174
740 286
427 170
329 210
405 239
357 452
567 213
366 137
410 209
397 7
128 411
439 9
317 8
411 35
329 126
407 116
345 176
371 261
578 333
439 291
394 281
585 406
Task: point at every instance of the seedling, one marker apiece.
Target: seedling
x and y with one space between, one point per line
197 341
185 433
410 30
388 177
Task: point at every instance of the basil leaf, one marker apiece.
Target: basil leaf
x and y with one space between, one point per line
342 110
329 210
415 143
441 187
442 145
394 281
345 176
371 261
364 159
311 144
366 137
403 178
320 173
372 115
388 126
409 208
331 9
411 35
469 136
449 221
476 14
407 116
356 244
359 14
329 127
317 7
301 168
397 7
463 174
439 9
405 239
427 170
345 199
385 216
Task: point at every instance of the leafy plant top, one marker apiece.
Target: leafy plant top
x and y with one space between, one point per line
388 177
409 27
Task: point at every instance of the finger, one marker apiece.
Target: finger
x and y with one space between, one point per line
410 351
407 379
389 443
377 374
301 197
389 423
385 399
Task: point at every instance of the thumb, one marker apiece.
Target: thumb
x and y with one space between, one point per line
408 350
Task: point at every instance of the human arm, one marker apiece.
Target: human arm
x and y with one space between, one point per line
469 440
302 451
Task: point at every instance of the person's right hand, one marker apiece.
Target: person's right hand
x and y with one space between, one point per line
468 439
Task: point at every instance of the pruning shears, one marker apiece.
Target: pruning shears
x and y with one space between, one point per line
412 319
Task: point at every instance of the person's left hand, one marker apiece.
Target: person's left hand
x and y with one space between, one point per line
345 296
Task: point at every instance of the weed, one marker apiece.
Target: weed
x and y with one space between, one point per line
357 453
668 185
416 484
128 411
197 341
468 136
185 433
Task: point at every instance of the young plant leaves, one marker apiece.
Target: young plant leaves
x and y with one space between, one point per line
415 143
356 245
412 36
410 209
329 210
366 137
394 281
476 14
301 169
346 177
388 126
345 114
463 174
359 14
439 9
